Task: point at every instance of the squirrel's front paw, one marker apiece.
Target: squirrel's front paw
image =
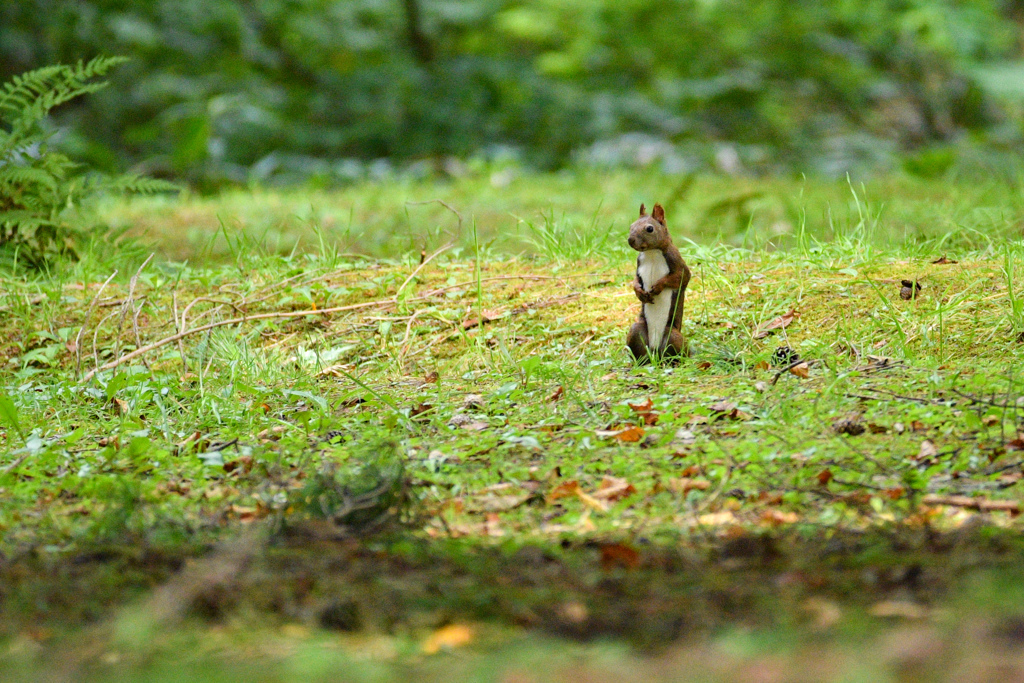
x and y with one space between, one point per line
644 297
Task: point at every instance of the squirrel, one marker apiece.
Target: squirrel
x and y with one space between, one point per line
660 284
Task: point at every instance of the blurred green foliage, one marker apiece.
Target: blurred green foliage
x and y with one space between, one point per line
233 91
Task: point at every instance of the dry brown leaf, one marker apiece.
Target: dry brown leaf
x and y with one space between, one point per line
723 407
927 451
824 477
894 493
493 503
684 485
630 434
717 518
644 410
431 377
448 638
775 324
472 321
876 428
644 407
591 502
566 489
777 517
917 426
614 488
1015 444
801 370
556 394
619 555
943 260
824 613
704 365
899 609
120 406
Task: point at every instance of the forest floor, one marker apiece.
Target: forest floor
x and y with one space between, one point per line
416 448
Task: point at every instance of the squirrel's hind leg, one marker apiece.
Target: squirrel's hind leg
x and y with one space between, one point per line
637 342
677 345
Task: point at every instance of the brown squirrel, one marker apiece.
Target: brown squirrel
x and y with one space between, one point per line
660 284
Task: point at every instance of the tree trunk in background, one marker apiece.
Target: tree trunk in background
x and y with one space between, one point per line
421 47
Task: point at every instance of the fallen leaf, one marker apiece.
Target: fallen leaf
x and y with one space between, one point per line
619 555
761 387
685 437
591 502
448 638
761 365
473 401
894 493
566 489
492 525
943 260
824 613
851 424
690 471
802 370
684 485
1015 444
777 517
556 394
572 612
493 503
614 488
717 518
420 409
898 609
775 324
703 365
909 289
876 428
723 407
431 377
644 407
644 410
466 422
917 426
472 321
927 451
824 477
631 434
120 405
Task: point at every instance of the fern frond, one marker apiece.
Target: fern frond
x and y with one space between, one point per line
28 98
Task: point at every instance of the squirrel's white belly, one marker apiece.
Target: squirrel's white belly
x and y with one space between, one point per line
651 266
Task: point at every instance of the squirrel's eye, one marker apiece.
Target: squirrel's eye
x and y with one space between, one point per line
650 228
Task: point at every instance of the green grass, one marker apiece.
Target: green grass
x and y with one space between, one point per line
359 397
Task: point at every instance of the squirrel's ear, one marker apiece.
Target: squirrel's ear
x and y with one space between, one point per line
658 213
643 211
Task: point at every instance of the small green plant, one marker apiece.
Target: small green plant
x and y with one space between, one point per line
41 190
1015 313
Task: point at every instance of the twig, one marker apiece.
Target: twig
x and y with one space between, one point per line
177 329
85 322
129 304
445 205
980 504
421 266
234 321
783 371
